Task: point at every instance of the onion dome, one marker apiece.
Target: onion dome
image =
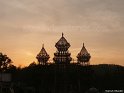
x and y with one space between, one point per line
62 44
43 57
83 55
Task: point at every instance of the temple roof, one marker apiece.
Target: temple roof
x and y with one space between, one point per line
62 41
43 52
83 51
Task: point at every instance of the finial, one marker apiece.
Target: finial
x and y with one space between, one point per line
62 34
83 44
42 45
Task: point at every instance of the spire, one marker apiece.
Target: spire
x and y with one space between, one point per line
62 34
42 45
83 44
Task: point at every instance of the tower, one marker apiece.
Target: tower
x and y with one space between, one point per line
62 54
83 56
43 57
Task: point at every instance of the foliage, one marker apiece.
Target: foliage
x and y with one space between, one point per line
47 78
5 62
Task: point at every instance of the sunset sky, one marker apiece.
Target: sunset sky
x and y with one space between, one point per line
27 24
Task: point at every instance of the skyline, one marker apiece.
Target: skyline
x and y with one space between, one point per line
27 24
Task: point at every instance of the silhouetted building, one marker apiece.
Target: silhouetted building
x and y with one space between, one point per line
62 54
43 57
83 56
63 76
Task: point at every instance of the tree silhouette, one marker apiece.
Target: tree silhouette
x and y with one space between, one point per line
33 64
5 62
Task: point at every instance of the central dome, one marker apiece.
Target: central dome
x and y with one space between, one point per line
62 44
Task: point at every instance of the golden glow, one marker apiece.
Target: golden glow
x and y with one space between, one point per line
26 24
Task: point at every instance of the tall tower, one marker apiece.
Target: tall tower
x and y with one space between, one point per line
62 54
83 56
43 57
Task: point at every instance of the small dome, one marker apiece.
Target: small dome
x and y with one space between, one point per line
83 51
83 55
43 52
43 56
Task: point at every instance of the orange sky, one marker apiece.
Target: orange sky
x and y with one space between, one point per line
26 24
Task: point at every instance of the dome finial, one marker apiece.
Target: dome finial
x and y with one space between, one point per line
62 34
83 44
42 45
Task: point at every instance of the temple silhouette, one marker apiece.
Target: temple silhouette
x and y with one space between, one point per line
62 55
63 75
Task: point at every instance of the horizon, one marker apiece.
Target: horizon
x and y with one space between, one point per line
26 25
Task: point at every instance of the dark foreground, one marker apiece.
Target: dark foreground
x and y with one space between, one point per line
69 78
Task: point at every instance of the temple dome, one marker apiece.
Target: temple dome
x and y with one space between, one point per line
83 55
62 44
43 57
43 52
83 51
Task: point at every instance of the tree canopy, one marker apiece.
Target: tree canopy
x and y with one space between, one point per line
5 62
